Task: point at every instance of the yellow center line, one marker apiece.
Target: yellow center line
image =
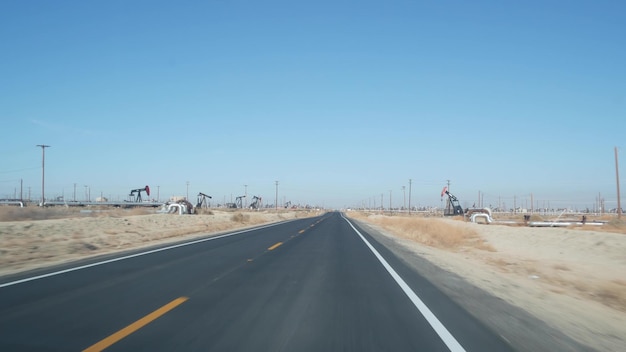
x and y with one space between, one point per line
105 343
275 246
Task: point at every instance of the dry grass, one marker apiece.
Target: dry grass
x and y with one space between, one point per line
203 211
12 213
503 265
240 217
429 231
561 267
613 225
611 294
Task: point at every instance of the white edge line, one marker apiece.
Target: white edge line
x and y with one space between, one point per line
132 256
444 334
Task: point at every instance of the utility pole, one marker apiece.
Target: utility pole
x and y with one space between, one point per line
43 170
390 208
410 196
74 192
187 191
619 205
276 199
245 195
404 197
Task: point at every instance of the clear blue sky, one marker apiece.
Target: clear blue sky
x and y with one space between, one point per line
340 101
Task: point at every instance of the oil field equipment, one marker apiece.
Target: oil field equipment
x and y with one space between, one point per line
452 205
237 203
138 192
256 204
203 200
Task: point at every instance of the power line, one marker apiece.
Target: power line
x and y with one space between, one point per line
18 170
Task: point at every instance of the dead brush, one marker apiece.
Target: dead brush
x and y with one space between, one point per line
429 231
611 293
613 225
12 213
239 217
204 211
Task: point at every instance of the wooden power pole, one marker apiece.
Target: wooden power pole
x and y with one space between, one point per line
619 205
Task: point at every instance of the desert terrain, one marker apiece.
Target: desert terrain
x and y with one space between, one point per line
573 279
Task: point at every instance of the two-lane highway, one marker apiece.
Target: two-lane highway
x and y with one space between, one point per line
304 285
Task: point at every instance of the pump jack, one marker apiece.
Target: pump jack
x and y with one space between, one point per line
202 200
452 207
138 191
238 202
256 204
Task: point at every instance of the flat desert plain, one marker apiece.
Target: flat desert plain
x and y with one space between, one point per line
572 279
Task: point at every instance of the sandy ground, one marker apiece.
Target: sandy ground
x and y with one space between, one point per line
573 280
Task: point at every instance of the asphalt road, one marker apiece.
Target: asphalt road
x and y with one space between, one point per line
317 284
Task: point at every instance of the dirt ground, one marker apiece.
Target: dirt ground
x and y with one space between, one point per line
573 279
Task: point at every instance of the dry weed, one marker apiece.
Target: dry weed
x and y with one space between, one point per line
501 264
203 211
429 231
611 294
239 217
12 213
561 267
613 225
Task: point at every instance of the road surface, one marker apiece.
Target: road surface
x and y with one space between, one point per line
316 284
